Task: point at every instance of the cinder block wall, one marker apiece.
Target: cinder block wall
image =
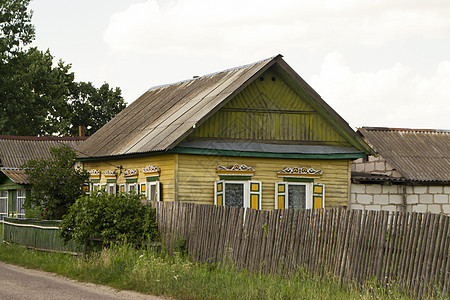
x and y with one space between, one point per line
434 199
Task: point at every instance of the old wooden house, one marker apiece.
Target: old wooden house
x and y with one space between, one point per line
254 136
14 152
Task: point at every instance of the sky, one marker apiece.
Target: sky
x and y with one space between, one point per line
375 62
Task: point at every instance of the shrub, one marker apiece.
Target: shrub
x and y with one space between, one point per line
109 217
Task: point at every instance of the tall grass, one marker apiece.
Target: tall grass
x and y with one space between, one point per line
148 271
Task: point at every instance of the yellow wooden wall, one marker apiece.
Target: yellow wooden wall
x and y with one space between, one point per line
197 174
269 111
166 163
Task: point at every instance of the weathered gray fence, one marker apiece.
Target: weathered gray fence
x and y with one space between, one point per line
410 249
38 234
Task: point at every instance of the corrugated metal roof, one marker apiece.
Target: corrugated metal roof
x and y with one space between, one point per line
361 177
418 154
17 150
16 175
163 116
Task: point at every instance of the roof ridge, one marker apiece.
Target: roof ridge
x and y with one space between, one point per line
214 73
42 138
405 129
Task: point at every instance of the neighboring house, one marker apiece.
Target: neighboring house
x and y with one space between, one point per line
254 136
411 172
14 152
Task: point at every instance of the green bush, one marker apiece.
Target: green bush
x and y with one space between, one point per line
109 217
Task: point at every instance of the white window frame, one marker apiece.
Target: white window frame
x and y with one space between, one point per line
148 186
20 201
132 184
4 198
98 187
114 188
246 189
308 193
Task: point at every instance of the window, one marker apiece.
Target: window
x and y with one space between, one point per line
299 195
151 190
111 188
3 204
97 187
238 193
21 195
132 188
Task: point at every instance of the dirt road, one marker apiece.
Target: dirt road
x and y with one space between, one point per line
20 283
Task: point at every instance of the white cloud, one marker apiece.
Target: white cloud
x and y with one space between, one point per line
223 29
391 97
173 40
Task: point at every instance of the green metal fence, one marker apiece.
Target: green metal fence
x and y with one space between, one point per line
38 234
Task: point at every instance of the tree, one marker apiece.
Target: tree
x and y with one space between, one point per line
16 29
33 94
56 183
38 97
92 108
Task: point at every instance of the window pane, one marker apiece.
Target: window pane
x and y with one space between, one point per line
234 194
297 196
153 192
3 205
111 189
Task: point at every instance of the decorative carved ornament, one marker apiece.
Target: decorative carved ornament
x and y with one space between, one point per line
299 172
150 171
131 173
109 174
94 174
236 169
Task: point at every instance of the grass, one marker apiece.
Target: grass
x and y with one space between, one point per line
146 271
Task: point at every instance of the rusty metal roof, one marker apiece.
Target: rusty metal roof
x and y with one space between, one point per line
163 116
17 150
16 175
417 154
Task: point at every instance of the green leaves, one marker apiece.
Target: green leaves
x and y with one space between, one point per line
91 107
16 29
109 217
56 183
38 97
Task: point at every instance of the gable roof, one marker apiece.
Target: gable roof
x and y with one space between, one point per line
16 175
163 116
17 150
417 154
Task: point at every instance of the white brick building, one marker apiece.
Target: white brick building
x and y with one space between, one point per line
411 173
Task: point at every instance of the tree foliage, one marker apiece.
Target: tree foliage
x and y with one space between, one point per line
16 29
92 107
33 94
38 97
56 183
109 217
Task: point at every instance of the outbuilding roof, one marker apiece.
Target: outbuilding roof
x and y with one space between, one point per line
15 151
418 154
163 116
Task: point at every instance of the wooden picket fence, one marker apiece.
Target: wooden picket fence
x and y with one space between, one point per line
408 249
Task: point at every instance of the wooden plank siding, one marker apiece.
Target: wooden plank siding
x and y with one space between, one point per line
166 163
197 174
269 111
